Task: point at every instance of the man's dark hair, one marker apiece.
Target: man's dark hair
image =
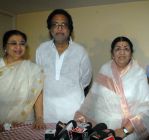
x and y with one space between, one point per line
60 12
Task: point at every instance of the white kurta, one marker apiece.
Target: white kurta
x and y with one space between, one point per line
66 76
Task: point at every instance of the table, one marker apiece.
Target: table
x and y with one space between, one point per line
25 132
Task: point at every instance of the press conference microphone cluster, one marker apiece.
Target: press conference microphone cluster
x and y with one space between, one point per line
62 131
83 131
98 132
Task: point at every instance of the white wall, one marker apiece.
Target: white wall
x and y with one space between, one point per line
95 27
7 22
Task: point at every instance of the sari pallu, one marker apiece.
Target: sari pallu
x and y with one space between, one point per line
20 85
116 98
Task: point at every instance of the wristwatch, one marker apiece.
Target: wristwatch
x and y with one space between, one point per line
126 132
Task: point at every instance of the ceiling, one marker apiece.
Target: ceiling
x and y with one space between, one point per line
14 7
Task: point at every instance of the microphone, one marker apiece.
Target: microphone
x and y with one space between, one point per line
49 134
59 127
101 132
97 132
82 131
100 126
102 135
111 133
62 130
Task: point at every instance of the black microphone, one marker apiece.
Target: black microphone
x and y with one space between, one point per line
59 126
118 138
101 132
97 132
82 131
101 135
49 134
62 129
100 126
111 132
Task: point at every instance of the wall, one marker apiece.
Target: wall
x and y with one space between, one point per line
95 27
7 22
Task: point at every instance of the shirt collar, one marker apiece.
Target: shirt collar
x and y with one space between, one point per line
70 42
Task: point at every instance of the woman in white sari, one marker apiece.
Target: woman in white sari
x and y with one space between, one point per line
120 95
21 83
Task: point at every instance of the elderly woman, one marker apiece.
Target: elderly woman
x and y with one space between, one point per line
120 95
21 83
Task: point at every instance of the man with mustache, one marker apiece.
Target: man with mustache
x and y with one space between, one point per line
67 69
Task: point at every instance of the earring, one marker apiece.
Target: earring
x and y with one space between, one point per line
5 52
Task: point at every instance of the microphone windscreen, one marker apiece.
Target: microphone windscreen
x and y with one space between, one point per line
59 127
89 125
118 138
110 131
100 126
63 129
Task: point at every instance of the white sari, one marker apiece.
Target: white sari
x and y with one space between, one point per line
116 98
20 85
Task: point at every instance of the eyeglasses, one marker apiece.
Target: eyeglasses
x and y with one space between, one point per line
22 43
62 25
